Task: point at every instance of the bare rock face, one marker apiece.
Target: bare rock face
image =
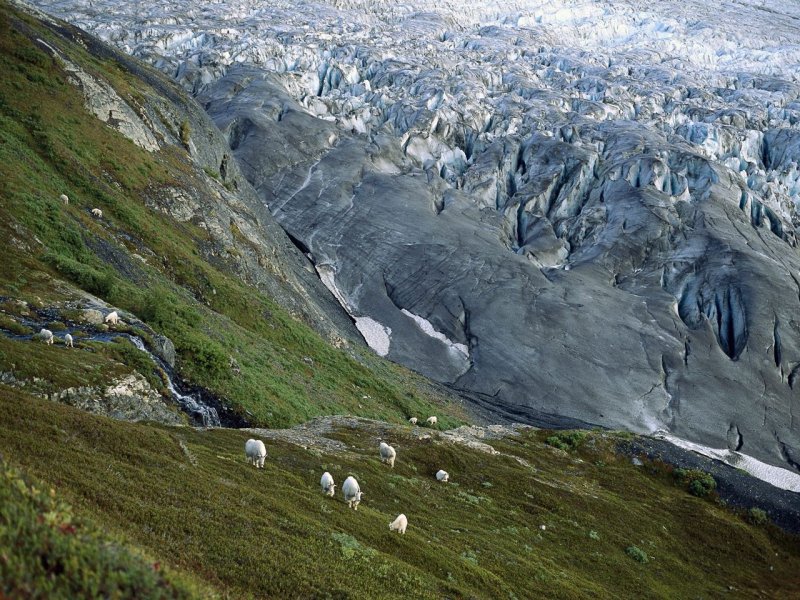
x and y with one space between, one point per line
104 102
164 349
129 398
579 211
92 316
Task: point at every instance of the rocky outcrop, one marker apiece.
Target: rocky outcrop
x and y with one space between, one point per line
129 398
164 348
105 104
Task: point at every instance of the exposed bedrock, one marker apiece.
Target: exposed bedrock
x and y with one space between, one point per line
576 209
613 279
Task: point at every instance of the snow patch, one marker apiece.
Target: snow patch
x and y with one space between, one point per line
376 335
428 329
780 478
327 275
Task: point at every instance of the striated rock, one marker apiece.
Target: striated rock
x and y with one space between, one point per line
104 102
130 399
91 316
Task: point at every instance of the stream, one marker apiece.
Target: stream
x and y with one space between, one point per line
199 411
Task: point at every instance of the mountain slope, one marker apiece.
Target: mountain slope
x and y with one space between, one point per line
160 510
180 250
528 521
582 209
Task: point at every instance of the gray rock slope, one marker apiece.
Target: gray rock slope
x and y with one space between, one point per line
579 209
243 237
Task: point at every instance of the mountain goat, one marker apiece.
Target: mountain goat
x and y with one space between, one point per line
413 420
112 318
256 452
432 421
68 341
327 484
352 493
388 454
442 476
399 524
46 336
96 212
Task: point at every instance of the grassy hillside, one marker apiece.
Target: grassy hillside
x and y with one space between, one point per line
546 524
48 553
91 507
140 260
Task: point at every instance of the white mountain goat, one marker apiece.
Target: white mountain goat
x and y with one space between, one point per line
46 336
413 420
112 318
96 212
388 454
64 198
68 341
442 476
352 493
256 452
432 421
327 484
399 524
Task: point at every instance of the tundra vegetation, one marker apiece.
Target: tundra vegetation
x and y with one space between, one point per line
146 510
187 500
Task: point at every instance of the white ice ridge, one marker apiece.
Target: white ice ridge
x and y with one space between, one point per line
780 478
377 336
455 77
427 327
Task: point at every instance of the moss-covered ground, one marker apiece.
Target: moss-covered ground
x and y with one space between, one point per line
552 524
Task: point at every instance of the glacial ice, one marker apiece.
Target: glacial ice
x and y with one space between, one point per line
543 182
781 478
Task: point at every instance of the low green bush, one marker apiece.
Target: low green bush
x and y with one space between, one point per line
757 516
637 554
72 560
698 483
567 440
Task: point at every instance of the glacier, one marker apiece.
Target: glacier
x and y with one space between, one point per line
595 203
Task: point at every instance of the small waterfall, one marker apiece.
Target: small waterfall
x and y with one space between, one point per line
201 413
198 411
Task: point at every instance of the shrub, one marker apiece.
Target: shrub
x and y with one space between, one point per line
637 554
757 516
49 554
567 440
698 483
206 356
94 281
185 132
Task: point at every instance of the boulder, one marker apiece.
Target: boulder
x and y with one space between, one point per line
164 349
92 316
